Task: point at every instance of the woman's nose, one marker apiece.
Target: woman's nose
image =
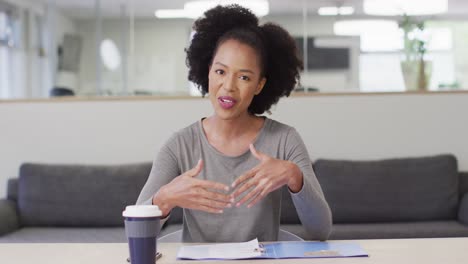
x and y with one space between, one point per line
229 83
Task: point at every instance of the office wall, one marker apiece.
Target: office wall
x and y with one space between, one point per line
338 127
158 61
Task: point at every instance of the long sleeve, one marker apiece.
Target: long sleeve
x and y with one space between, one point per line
310 203
164 169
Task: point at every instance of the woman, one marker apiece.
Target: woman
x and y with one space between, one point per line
226 171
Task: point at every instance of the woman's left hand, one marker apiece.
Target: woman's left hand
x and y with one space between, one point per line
266 177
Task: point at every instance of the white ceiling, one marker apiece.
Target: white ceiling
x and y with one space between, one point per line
146 8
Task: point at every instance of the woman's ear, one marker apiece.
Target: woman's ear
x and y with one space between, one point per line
260 86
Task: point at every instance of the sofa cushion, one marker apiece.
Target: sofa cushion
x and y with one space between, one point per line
78 195
409 189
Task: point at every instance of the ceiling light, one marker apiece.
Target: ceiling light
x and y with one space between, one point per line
346 10
334 10
170 13
357 27
195 9
408 7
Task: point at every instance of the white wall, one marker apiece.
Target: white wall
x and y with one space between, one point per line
339 127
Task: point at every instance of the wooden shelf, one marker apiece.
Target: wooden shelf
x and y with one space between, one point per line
154 97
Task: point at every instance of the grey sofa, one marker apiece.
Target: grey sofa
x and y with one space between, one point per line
397 198
70 203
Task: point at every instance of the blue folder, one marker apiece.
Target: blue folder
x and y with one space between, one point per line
307 249
280 250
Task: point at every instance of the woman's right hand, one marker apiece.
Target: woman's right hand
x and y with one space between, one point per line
186 191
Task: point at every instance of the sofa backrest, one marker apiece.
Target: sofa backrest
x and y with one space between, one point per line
177 215
409 189
12 189
463 183
78 195
129 180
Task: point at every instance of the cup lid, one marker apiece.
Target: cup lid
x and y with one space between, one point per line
142 211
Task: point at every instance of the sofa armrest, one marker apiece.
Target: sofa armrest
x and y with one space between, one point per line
463 210
9 217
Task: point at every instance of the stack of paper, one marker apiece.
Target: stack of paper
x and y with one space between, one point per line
221 251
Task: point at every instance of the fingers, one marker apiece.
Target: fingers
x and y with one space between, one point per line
257 154
196 170
204 183
259 188
210 202
247 185
208 209
211 185
205 208
215 196
259 197
249 174
213 204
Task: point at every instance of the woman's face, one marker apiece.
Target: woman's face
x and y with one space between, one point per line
234 79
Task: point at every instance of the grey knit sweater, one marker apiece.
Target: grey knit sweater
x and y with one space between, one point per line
182 152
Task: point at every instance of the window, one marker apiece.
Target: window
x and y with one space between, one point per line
4 43
382 44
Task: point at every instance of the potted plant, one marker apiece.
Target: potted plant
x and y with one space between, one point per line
415 68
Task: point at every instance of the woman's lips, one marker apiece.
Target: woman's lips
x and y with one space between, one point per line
226 102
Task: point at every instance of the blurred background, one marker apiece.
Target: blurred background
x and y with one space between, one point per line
136 47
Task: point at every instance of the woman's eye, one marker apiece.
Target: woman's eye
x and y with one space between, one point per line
245 78
219 71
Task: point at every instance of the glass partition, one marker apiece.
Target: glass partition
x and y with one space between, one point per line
52 48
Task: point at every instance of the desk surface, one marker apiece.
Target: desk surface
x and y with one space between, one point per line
427 251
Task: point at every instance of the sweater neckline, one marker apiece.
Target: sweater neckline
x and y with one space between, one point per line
247 152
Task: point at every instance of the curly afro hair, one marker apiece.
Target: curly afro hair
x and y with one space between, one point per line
275 47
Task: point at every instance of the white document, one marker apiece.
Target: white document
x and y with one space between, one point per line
244 250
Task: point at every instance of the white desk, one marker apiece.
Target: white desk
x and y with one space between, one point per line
391 251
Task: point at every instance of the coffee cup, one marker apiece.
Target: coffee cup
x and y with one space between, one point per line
142 228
